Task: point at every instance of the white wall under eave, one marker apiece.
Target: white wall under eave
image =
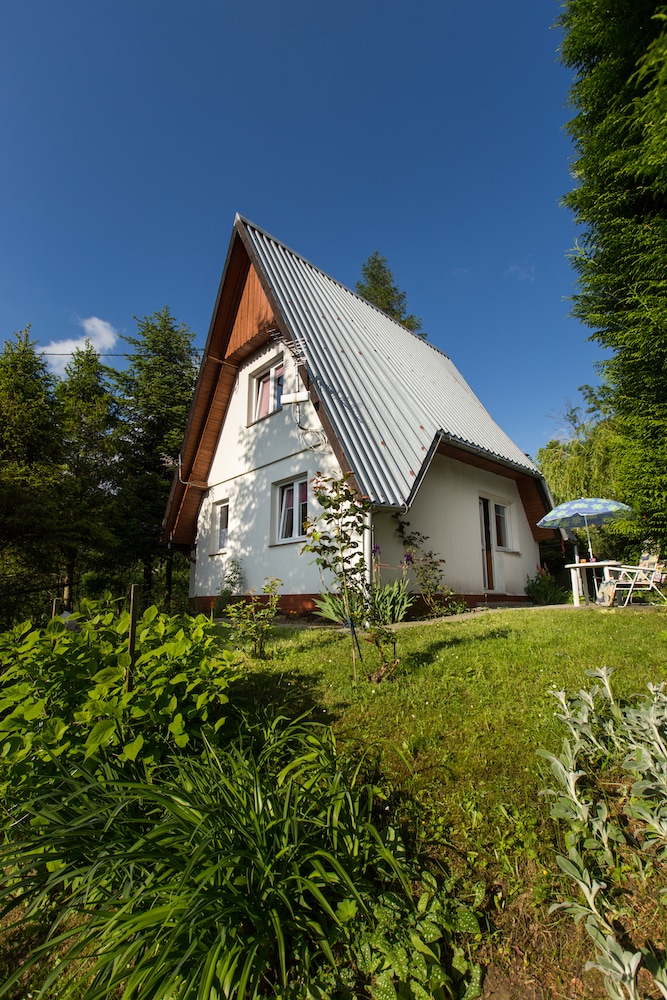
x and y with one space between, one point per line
446 509
250 458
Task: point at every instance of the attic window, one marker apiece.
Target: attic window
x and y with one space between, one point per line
267 388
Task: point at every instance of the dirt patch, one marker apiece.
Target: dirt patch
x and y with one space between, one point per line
499 985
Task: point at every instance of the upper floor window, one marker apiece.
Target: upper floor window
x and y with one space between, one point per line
268 388
292 510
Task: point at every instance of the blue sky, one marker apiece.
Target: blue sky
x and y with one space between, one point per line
430 130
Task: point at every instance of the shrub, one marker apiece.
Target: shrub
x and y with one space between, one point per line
232 583
252 619
255 870
543 588
73 691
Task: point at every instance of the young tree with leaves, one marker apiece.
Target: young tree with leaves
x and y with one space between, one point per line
379 288
154 395
618 51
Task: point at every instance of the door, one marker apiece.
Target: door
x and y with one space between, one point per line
487 542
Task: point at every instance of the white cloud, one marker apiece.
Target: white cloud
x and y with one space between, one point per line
100 334
525 273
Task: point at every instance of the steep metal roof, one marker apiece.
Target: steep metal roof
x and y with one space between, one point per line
389 395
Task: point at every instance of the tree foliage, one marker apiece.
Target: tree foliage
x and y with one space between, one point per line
618 52
86 464
31 474
154 395
87 496
594 458
379 288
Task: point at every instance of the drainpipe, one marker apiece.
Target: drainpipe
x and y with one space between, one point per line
368 549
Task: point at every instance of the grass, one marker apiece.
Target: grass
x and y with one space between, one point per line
469 704
453 739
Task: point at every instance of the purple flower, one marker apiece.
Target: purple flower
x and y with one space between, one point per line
376 550
407 558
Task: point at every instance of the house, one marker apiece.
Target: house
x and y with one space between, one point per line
300 375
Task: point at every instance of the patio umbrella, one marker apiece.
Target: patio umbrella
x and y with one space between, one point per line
582 513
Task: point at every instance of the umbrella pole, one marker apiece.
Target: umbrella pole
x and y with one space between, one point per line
588 536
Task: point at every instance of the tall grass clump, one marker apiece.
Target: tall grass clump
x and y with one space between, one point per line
255 870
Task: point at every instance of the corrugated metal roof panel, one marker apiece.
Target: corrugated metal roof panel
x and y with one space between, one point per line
387 392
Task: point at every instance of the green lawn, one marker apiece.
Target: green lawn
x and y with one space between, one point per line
469 703
450 741
453 737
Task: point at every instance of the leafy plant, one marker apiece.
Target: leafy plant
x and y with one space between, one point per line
75 691
252 618
544 589
427 567
390 602
254 870
232 583
384 640
631 739
336 540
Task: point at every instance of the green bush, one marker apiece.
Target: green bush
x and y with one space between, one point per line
252 619
255 870
544 589
71 690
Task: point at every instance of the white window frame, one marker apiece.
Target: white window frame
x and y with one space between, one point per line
290 518
221 525
266 389
505 516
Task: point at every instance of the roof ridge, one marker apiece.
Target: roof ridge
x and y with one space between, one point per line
241 219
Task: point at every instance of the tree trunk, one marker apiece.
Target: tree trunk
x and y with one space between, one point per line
68 585
148 579
169 566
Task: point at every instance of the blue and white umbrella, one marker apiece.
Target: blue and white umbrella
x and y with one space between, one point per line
582 513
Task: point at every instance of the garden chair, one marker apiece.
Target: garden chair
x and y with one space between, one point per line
629 580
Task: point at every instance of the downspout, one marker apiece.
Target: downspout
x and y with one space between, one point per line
368 549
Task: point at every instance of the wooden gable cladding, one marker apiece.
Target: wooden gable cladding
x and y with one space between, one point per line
242 323
254 315
530 492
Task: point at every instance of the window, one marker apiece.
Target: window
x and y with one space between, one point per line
222 523
268 388
502 526
292 510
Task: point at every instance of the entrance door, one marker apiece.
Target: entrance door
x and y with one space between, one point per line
487 542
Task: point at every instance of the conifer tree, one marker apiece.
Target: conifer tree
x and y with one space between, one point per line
154 395
379 288
87 496
31 477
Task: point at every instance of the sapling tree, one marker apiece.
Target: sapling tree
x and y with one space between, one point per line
336 537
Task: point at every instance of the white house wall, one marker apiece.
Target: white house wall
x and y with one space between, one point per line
446 509
250 458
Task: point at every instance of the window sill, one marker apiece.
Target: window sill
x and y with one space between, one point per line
289 541
258 420
221 552
509 552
